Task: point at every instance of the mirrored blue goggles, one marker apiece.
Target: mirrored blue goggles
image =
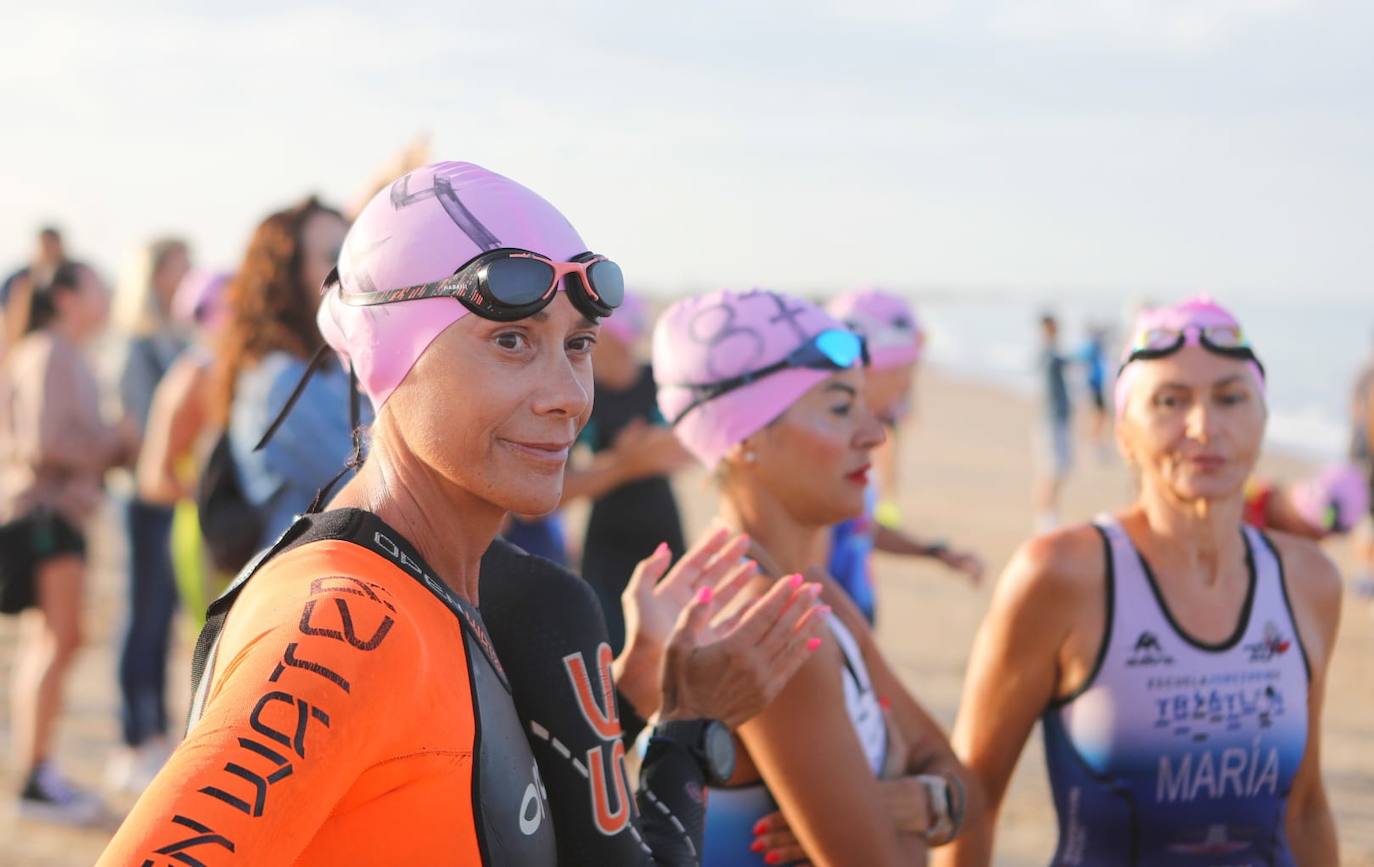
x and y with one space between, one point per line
832 349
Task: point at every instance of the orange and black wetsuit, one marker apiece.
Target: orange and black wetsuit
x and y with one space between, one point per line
349 710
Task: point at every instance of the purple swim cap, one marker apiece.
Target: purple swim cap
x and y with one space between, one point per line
1335 499
1198 312
887 321
423 227
710 338
199 298
630 321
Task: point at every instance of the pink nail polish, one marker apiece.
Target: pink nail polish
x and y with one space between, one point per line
812 644
704 595
795 580
756 846
661 549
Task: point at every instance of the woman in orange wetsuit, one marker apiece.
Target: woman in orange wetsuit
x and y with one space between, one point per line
349 705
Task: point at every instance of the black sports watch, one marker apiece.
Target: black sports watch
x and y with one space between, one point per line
706 740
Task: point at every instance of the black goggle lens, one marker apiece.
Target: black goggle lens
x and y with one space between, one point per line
517 282
607 282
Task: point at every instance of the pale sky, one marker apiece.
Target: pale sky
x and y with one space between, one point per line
1023 146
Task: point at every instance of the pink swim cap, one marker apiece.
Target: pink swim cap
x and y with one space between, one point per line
423 227
199 298
1198 312
711 338
887 321
630 321
1335 499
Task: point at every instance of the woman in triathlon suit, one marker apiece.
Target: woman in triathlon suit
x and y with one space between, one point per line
768 391
633 453
1178 671
350 708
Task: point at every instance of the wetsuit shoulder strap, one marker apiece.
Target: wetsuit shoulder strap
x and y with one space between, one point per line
357 527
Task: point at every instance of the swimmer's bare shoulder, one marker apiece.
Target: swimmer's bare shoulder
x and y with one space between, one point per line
1058 578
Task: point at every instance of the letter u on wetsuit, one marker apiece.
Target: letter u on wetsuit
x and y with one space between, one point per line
1177 752
352 712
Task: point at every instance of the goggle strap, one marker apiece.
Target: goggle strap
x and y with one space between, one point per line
316 361
355 459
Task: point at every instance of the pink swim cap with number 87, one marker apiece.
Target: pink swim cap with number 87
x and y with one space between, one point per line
722 335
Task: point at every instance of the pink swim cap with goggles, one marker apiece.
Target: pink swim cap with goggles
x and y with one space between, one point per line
729 363
887 321
396 289
1162 331
199 298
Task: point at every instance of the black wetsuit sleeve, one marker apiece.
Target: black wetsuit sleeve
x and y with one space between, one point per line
550 636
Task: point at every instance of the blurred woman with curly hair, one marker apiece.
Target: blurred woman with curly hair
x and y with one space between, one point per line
268 340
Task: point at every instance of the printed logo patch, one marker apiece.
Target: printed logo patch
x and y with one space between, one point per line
1148 651
1273 644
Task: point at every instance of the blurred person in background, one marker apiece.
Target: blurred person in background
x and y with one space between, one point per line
541 535
142 315
1092 355
49 253
269 339
1054 439
894 339
54 450
1362 454
1331 502
174 440
632 455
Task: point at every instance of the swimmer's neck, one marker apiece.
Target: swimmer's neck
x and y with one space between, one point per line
1201 538
790 545
449 527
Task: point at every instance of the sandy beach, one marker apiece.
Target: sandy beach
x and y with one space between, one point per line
967 474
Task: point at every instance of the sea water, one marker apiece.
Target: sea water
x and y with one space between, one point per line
1312 352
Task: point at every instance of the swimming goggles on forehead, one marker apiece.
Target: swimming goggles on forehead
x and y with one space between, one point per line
1227 340
832 349
509 284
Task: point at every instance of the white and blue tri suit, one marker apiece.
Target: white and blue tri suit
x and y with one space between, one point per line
731 813
1175 751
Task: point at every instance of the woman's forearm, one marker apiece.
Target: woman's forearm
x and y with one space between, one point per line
1312 833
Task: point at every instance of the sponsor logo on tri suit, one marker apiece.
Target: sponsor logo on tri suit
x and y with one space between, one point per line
439 589
598 706
1148 651
1271 645
1233 772
532 804
1215 841
1202 712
